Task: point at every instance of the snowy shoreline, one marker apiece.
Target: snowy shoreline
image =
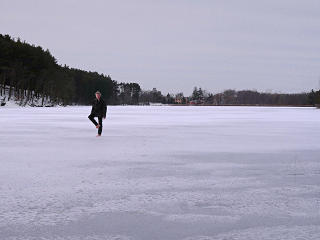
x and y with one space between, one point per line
12 104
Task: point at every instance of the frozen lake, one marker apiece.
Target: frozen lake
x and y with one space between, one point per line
160 173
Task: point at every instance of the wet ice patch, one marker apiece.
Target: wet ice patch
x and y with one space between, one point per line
207 219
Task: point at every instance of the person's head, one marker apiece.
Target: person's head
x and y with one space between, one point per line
98 95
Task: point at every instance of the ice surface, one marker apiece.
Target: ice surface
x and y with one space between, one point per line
160 172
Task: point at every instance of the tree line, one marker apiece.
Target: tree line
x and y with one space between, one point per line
252 97
31 75
232 97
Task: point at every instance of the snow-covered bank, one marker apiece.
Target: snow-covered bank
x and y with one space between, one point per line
160 172
12 98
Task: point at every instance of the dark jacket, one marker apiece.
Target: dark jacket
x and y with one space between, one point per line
99 108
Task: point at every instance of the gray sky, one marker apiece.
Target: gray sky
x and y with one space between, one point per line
174 45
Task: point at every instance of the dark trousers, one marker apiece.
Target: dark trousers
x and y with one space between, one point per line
91 117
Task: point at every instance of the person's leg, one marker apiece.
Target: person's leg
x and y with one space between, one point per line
100 125
91 117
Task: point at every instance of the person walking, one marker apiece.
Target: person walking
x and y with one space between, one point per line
99 110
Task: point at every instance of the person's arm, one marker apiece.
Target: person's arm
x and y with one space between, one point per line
104 109
92 103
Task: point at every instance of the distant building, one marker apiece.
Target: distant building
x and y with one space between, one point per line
196 102
178 100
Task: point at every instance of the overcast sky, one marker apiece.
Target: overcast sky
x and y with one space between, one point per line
174 45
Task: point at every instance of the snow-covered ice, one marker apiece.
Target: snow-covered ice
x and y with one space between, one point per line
160 172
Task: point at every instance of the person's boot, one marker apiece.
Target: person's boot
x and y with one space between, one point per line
98 126
99 135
